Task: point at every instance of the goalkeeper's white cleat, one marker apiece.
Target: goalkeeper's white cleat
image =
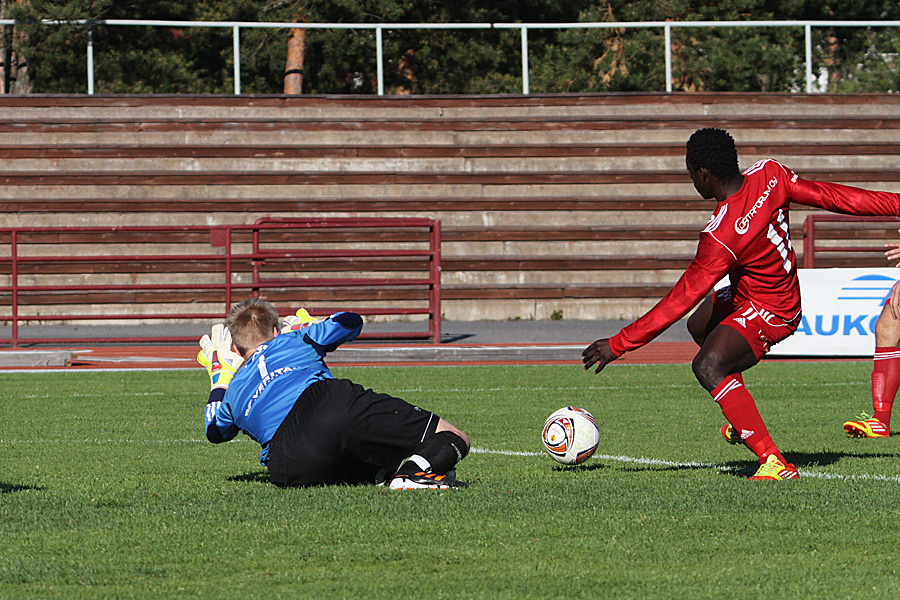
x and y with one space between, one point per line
421 480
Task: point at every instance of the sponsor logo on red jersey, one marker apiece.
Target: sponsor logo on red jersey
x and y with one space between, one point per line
742 225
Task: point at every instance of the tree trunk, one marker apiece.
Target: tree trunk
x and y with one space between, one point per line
21 78
15 75
293 70
406 72
5 51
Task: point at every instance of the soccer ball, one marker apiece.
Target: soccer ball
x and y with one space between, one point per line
570 435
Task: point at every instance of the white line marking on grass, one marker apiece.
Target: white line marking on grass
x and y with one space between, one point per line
699 465
620 458
615 458
861 477
84 395
505 452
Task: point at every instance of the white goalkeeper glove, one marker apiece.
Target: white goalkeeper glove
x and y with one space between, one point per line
216 355
299 321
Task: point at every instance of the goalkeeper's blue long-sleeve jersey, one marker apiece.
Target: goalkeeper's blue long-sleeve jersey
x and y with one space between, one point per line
267 385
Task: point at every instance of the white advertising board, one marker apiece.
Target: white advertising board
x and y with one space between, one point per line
840 307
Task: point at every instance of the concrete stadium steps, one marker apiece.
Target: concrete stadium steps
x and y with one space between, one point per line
818 132
571 203
534 159
718 105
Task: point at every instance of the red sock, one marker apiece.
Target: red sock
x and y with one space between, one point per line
885 381
740 410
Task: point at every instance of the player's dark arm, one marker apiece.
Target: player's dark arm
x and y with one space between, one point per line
711 264
598 353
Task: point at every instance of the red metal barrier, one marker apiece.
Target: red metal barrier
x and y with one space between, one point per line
81 274
857 228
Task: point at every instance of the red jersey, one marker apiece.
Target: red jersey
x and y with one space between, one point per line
748 239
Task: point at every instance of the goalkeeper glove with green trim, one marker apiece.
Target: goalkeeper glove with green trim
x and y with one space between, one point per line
299 321
216 355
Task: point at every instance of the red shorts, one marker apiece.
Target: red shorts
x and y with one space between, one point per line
759 327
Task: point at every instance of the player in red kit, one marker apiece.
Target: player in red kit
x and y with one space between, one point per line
885 367
748 240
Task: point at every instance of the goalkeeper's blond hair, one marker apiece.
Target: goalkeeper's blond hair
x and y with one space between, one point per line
251 323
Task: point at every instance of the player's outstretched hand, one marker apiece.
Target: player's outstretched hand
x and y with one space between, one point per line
216 355
298 321
893 251
598 353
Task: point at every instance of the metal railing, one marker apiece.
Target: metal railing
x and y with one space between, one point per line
69 274
876 230
524 28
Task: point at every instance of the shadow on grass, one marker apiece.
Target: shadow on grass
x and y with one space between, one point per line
802 460
253 477
741 468
574 468
746 468
8 488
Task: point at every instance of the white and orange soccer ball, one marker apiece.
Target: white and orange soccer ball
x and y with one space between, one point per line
571 435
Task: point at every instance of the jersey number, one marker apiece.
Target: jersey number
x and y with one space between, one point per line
263 369
781 239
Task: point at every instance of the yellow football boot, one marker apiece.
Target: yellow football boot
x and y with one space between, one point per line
775 470
866 428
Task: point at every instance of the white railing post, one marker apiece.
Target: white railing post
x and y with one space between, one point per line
236 43
526 82
90 59
809 72
668 36
379 58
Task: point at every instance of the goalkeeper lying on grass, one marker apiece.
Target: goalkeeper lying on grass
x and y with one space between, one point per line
315 429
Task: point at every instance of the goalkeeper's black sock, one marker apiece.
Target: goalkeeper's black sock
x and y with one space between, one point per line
437 453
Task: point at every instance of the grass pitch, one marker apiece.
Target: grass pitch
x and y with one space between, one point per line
108 489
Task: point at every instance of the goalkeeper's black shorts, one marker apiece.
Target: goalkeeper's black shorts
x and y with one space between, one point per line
340 432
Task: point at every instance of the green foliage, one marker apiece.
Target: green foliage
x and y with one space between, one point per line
874 66
108 489
625 59
856 59
127 59
420 61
